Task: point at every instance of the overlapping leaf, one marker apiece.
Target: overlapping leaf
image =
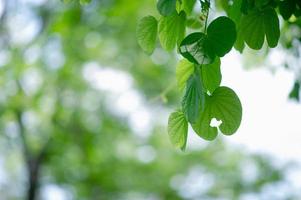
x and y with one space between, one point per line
194 98
211 75
257 25
202 49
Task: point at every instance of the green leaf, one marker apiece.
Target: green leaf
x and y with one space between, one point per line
258 24
223 105
261 3
202 49
234 12
183 72
177 129
202 125
221 35
226 106
211 75
194 23
287 8
188 6
147 33
271 27
166 7
195 48
295 93
194 98
172 30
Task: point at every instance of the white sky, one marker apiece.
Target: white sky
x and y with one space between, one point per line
271 122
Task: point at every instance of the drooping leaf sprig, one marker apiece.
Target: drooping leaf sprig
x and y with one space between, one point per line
248 22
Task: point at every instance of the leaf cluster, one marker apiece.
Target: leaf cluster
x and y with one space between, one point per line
248 23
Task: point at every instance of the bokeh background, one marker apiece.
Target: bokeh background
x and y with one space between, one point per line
83 111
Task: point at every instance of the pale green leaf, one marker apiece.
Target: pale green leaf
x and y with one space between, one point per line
147 33
177 129
172 30
183 72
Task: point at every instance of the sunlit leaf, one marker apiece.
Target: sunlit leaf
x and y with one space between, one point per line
172 30
183 72
177 129
147 33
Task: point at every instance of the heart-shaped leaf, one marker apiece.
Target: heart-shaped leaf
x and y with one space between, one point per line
172 30
223 105
147 33
177 129
221 34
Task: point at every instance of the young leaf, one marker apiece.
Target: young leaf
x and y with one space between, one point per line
183 72
147 33
194 98
211 75
166 7
172 30
195 48
221 35
177 129
258 24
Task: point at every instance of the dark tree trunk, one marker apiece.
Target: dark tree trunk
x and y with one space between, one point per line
33 173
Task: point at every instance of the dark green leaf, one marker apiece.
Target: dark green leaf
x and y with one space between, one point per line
221 35
166 7
287 8
196 50
258 24
177 129
147 33
194 98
